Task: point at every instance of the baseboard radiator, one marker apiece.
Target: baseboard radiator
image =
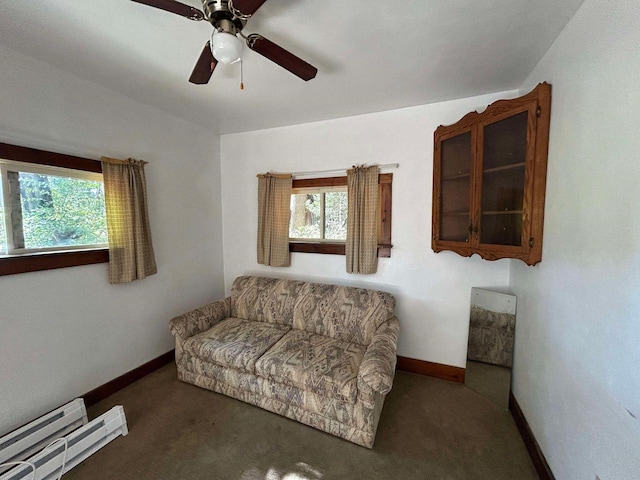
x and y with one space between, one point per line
72 438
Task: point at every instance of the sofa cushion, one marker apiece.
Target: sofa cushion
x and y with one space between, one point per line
264 299
344 313
235 342
316 363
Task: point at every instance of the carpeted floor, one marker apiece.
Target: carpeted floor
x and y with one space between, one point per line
430 429
492 381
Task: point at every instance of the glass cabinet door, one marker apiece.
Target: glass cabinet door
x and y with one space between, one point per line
456 164
504 155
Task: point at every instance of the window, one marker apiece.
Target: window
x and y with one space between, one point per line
319 215
52 211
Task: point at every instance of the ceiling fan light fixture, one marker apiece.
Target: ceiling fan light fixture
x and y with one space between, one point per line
226 47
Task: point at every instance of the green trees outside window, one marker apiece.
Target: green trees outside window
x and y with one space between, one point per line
61 211
319 215
42 211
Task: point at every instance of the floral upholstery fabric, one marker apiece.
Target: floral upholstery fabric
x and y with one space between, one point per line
379 365
313 362
235 343
323 355
265 299
344 313
359 414
303 414
491 336
200 319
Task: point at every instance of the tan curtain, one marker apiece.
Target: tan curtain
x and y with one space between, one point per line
362 220
131 254
274 200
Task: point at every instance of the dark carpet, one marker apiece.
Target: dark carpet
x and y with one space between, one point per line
429 429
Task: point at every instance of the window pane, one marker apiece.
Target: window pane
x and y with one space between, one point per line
305 216
61 211
335 215
3 233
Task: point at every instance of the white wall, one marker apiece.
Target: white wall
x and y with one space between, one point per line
432 290
577 353
64 332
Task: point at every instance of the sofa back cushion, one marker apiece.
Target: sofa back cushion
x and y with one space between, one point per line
265 299
343 313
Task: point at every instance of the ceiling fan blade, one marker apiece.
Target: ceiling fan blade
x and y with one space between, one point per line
282 57
204 68
174 7
247 7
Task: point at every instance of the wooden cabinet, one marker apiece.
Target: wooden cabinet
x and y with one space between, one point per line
489 175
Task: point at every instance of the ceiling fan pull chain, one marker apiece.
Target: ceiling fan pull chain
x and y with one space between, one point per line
241 75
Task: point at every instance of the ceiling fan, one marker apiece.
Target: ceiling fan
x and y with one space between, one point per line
228 18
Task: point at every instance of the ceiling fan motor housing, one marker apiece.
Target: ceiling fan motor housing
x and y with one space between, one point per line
220 16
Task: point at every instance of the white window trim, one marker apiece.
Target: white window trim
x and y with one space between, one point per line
14 166
316 240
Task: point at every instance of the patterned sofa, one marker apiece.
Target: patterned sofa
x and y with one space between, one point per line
323 355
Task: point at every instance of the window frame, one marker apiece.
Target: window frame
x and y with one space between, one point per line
332 247
47 260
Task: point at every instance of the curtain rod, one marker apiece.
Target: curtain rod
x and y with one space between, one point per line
339 170
117 161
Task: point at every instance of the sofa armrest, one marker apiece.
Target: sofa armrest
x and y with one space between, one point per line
379 364
199 320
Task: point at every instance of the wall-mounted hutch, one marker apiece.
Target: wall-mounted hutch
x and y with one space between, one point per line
489 180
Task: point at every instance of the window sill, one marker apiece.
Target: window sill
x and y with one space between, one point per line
48 261
384 251
323 247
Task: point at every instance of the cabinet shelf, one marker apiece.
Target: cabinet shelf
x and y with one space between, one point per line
457 176
503 212
456 214
503 168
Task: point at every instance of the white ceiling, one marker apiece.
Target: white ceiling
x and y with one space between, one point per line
372 55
